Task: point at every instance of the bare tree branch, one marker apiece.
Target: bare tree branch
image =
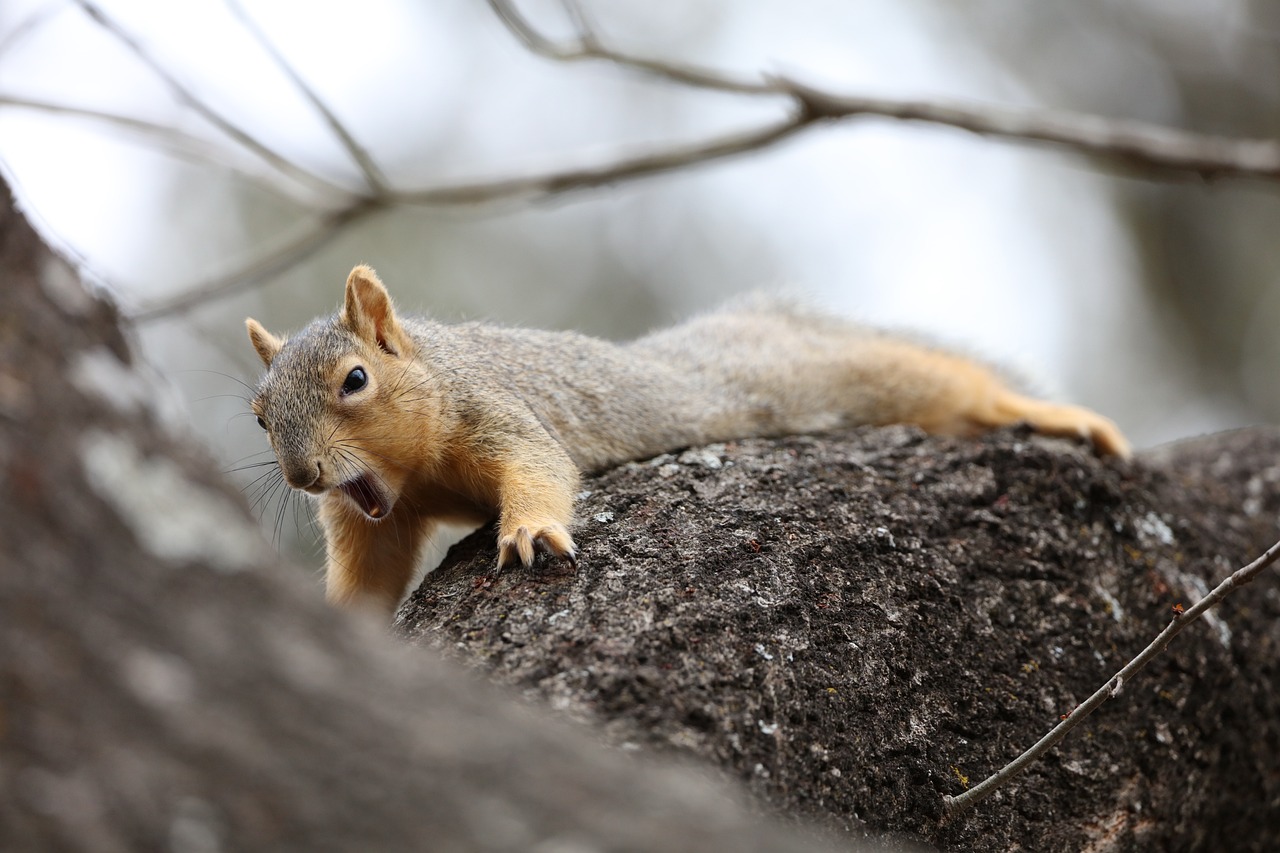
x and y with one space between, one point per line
1138 144
30 24
590 47
176 142
273 263
955 805
480 192
373 176
625 169
1146 146
188 98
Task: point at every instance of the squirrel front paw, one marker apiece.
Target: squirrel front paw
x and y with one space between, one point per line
522 541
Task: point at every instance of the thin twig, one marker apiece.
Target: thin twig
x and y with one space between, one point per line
553 183
1145 145
175 141
284 164
30 24
590 47
373 177
1136 143
271 264
955 805
644 165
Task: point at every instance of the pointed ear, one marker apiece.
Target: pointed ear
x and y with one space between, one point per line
266 344
369 313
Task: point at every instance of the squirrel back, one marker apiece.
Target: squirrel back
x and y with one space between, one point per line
396 424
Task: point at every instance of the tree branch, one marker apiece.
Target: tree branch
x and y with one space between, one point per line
1146 146
625 169
955 805
177 142
373 177
273 263
30 24
589 46
284 164
1136 143
1139 144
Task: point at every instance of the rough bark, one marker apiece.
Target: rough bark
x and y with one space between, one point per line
165 684
856 626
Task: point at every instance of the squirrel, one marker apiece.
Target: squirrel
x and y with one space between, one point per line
397 424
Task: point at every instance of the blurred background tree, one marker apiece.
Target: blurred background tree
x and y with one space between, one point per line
1148 297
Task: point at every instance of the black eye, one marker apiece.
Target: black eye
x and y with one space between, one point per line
355 381
262 423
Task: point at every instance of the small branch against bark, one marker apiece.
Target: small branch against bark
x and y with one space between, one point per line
373 177
189 98
954 806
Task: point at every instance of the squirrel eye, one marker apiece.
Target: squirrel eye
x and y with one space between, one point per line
262 423
356 380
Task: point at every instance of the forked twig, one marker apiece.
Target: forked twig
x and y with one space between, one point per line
246 139
1135 143
589 46
374 179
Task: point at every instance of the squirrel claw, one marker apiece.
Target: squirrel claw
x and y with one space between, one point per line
524 542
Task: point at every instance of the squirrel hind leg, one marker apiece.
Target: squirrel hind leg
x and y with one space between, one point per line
1054 419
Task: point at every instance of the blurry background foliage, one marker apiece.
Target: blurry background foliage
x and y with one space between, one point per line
1152 300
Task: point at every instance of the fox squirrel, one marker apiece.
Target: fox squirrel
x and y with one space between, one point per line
399 423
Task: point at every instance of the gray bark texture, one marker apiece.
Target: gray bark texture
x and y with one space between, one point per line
857 625
166 684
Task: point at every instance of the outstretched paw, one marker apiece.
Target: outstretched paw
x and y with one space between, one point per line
522 541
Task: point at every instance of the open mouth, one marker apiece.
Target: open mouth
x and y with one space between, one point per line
371 500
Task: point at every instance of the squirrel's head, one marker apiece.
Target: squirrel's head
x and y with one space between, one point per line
328 394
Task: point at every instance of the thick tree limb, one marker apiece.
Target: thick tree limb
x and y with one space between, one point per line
858 625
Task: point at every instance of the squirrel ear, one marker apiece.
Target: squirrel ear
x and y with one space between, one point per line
369 313
263 341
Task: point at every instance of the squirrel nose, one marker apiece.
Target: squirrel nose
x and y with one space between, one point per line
301 473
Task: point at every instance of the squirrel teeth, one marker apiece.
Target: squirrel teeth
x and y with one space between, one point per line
366 495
